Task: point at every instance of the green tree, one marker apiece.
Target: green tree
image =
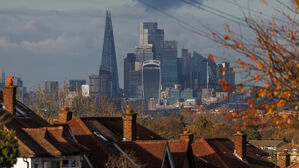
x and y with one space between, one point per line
8 147
252 133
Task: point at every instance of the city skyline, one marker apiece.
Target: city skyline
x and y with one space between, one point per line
62 43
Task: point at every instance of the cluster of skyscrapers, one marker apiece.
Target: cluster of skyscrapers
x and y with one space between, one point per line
154 73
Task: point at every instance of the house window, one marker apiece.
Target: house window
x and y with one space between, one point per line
47 164
74 163
65 163
36 165
55 164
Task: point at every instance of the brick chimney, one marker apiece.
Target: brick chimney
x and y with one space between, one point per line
129 125
9 96
284 159
64 115
186 136
240 145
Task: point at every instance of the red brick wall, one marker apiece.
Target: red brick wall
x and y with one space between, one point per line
64 116
9 98
129 127
240 145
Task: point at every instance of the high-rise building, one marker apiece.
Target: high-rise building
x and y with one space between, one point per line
2 76
17 81
187 68
129 69
85 90
52 87
2 79
180 66
151 80
21 90
94 85
144 53
169 66
224 71
151 37
75 85
108 73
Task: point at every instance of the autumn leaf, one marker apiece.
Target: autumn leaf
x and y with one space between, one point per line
211 57
242 63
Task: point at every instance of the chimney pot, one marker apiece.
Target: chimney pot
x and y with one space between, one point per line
128 111
186 136
9 81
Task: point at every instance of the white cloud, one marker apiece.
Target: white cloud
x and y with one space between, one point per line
30 25
5 44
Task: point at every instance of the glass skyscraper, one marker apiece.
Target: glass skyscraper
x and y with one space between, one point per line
151 37
94 85
74 85
151 80
169 66
108 73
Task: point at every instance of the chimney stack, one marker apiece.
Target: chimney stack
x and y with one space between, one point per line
64 115
284 159
129 125
186 137
240 145
9 96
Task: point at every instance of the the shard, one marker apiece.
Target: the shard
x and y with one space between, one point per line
108 74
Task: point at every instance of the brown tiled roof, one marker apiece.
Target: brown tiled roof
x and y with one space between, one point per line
148 153
97 147
42 141
294 165
262 143
26 117
181 153
56 141
112 128
219 152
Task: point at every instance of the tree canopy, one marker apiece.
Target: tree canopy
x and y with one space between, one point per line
8 147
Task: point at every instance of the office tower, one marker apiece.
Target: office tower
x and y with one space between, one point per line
151 80
2 79
151 37
144 53
75 85
85 90
108 73
21 90
94 85
180 65
17 81
186 94
132 77
2 76
52 87
207 77
187 68
169 75
224 71
129 68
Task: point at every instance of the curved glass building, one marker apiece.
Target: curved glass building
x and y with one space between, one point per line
151 80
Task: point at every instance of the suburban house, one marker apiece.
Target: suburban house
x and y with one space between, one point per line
95 142
41 145
108 137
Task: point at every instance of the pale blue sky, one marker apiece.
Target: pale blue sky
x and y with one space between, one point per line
62 39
